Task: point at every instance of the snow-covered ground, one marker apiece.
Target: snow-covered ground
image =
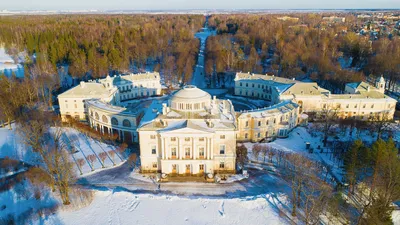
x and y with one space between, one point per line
111 207
12 147
8 66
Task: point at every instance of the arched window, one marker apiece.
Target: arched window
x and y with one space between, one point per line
126 123
91 113
114 121
97 116
104 119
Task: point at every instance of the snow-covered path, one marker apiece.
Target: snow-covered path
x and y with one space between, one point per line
198 78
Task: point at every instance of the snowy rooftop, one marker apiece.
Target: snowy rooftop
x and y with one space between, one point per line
280 108
130 78
130 110
88 90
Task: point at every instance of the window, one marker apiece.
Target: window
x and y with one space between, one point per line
153 149
222 136
364 106
76 106
173 152
201 167
372 106
259 123
104 119
355 106
246 135
259 135
152 136
266 134
154 165
222 165
126 123
173 167
114 121
187 139
97 116
201 152
267 122
222 149
347 106
187 152
201 139
173 139
247 123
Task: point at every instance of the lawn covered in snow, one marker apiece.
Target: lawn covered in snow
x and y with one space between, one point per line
127 208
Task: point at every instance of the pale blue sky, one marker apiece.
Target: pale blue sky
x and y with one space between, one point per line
194 4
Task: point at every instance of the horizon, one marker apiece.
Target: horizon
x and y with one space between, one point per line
184 5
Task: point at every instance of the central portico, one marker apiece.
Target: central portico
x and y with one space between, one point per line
192 135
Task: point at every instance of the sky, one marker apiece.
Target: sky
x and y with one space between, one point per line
195 4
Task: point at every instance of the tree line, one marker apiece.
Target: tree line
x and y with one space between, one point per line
95 45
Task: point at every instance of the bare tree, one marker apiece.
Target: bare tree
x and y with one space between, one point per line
241 155
381 123
328 117
91 158
132 160
103 156
112 154
256 150
81 162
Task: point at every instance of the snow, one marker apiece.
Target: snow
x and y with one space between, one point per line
11 146
114 207
198 78
8 66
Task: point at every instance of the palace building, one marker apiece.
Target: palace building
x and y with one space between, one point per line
360 101
193 133
190 134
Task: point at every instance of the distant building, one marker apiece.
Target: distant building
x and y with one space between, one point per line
288 18
334 19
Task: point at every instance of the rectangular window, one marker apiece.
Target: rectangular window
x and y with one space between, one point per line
187 152
152 136
201 152
187 139
355 106
259 135
201 139
153 149
222 165
201 167
247 123
222 149
222 136
154 165
173 139
173 152
372 106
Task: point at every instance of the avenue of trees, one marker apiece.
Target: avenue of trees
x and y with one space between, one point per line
309 47
95 45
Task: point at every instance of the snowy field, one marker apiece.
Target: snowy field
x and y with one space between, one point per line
126 208
83 146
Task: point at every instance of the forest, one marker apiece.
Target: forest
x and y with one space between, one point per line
96 45
309 47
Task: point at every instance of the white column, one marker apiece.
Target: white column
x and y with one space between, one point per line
209 148
162 148
212 149
180 149
194 149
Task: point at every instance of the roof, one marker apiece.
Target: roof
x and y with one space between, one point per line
280 108
270 78
190 92
88 90
300 88
129 78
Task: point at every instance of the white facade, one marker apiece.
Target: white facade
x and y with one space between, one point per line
192 134
361 101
